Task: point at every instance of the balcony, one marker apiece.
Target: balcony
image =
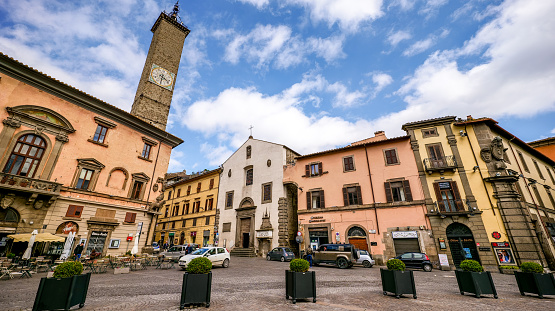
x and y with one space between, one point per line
47 190
441 164
453 207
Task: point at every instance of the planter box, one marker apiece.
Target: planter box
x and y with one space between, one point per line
196 289
535 283
64 293
477 283
398 282
300 285
121 270
508 271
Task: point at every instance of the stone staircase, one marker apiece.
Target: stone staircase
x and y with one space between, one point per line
243 252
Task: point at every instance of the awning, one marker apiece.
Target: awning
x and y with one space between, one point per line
41 237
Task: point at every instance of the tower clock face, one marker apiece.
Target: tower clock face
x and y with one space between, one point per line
161 77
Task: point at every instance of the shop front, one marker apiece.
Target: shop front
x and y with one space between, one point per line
462 243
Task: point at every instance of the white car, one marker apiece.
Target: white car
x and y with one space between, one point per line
365 259
217 255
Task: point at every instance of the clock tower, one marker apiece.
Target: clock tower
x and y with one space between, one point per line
154 93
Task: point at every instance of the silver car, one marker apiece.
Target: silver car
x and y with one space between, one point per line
174 253
365 259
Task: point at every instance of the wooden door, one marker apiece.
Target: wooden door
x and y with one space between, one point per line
359 243
245 232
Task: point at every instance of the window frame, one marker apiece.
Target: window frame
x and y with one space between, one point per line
72 211
395 154
314 166
199 186
229 199
407 191
352 167
456 195
524 165
320 200
429 132
352 195
538 169
148 148
141 178
263 198
100 134
102 123
35 163
88 164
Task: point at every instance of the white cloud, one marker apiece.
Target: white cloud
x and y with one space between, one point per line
405 5
275 45
398 36
423 45
515 78
431 7
348 14
257 3
216 155
381 80
553 131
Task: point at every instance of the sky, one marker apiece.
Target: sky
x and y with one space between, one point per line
309 74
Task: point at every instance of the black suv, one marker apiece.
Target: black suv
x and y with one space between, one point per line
416 260
341 255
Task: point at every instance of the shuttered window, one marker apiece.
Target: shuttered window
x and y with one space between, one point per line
315 199
391 157
348 164
211 184
74 211
130 217
314 169
352 196
398 191
448 197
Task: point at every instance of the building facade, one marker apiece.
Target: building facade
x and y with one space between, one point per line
367 194
254 215
545 146
483 194
189 214
71 162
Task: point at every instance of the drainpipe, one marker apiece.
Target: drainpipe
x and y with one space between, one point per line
372 190
533 201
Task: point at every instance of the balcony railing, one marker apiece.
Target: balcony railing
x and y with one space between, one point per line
452 207
441 164
25 184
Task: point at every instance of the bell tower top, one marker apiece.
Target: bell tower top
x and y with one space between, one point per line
154 93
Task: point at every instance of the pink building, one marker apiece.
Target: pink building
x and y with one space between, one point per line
367 194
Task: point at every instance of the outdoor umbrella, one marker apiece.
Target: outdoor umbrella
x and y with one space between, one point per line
67 246
27 253
135 248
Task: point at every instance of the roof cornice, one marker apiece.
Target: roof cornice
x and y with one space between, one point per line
429 122
35 78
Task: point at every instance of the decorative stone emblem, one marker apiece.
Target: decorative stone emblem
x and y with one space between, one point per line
11 122
62 137
38 204
7 201
485 153
497 148
269 162
155 187
39 130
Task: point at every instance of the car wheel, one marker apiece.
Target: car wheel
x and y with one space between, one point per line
268 258
427 268
342 263
226 263
282 259
366 264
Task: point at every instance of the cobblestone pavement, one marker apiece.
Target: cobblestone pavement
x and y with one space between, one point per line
255 284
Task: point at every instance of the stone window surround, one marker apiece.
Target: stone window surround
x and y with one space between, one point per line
124 172
91 164
151 143
354 166
396 156
432 132
140 177
105 123
262 198
228 204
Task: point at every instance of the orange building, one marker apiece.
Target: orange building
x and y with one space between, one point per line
545 146
71 162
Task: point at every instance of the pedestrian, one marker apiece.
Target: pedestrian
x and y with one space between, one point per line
165 245
78 250
309 256
189 248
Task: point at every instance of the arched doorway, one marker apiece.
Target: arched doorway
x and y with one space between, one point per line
461 243
182 238
357 237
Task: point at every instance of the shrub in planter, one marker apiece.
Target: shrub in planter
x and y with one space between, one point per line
66 289
473 279
533 280
299 282
197 283
508 269
396 280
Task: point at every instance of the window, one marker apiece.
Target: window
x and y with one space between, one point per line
431 132
207 221
198 187
26 156
226 227
194 222
84 179
167 211
352 195
249 150
173 225
315 199
186 208
147 148
524 165
9 215
398 191
550 197
435 152
209 204
183 224
130 217
448 197
211 186
138 183
391 157
538 169
136 191
100 134
229 200
314 169
163 226
74 211
550 174
146 151
188 189
348 164
267 193
176 210
196 206
178 193
249 174
169 195
537 193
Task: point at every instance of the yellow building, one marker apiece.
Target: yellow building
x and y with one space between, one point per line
484 190
189 213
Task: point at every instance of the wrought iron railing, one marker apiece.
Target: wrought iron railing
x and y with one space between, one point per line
16 182
446 162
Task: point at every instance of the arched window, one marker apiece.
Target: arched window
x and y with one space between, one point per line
356 231
9 215
26 156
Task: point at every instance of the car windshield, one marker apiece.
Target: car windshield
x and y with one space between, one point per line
200 251
174 249
363 252
288 250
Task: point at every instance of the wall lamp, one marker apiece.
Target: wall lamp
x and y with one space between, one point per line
463 134
300 188
475 168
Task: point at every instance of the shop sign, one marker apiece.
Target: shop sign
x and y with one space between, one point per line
443 261
442 244
444 185
496 235
99 234
317 219
372 231
404 234
264 234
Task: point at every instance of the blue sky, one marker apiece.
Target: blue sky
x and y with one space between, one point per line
309 74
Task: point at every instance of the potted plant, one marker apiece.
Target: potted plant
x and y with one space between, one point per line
396 280
299 282
66 289
533 280
508 269
473 279
197 283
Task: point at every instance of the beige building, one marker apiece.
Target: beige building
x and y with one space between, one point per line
189 214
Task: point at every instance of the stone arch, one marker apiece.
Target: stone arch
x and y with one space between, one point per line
45 156
358 236
246 202
42 116
125 172
9 216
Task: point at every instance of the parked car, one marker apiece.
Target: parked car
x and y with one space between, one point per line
281 253
341 255
174 253
156 247
217 255
365 259
416 261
